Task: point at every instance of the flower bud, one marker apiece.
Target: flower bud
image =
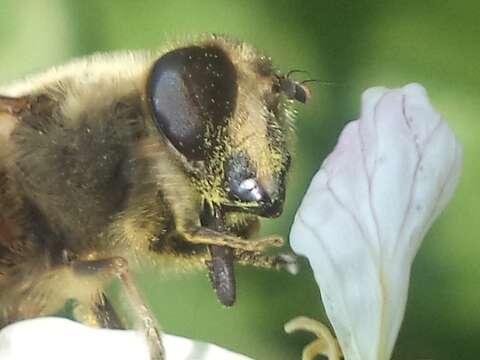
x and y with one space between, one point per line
368 209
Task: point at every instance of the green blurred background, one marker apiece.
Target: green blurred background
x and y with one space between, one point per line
356 44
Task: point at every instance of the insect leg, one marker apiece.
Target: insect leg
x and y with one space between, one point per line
105 313
205 236
277 262
148 322
99 312
144 318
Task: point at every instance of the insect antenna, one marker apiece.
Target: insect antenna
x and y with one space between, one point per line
296 71
323 82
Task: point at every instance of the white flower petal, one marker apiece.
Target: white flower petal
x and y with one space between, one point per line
367 210
56 338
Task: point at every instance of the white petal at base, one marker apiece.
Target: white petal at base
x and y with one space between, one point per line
56 338
180 348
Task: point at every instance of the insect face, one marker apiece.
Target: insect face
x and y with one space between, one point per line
221 108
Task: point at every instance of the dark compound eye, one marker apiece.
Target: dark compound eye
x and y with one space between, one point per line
292 89
188 90
301 93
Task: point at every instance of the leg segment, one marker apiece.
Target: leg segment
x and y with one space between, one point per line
145 319
105 313
103 309
207 236
278 262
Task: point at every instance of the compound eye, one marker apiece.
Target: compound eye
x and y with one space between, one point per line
301 93
292 89
189 90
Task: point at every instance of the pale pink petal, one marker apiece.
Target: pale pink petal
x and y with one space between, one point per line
367 210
